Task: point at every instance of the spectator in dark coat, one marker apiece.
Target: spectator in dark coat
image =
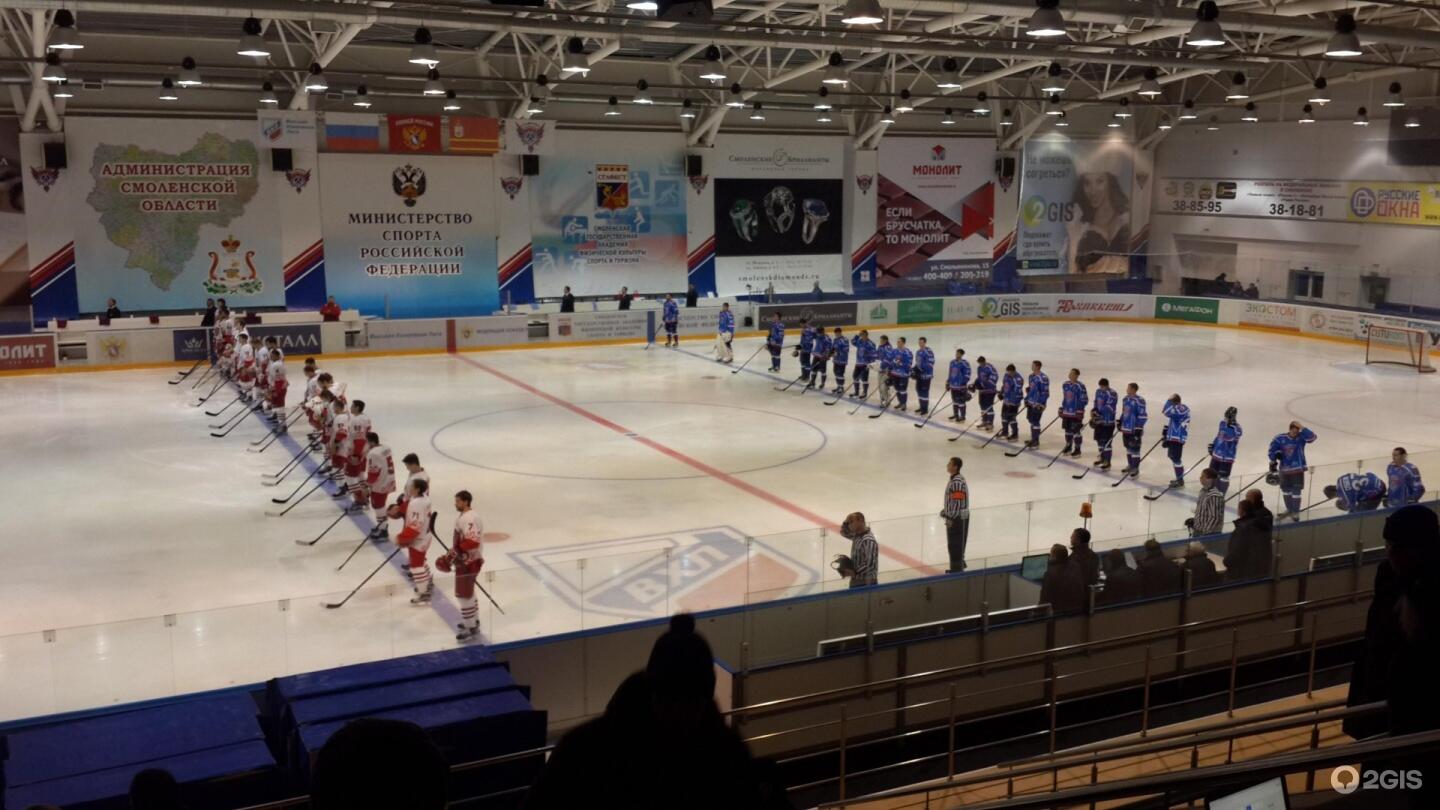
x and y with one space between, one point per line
1064 585
1201 567
1087 560
208 319
692 296
1122 583
112 309
624 297
661 743
1251 549
567 301
1264 518
1158 575
373 763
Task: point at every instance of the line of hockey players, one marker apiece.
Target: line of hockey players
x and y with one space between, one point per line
819 351
354 458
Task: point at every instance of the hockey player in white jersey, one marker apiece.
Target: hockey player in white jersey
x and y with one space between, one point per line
466 558
415 539
379 482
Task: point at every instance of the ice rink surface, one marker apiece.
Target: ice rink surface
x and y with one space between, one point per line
614 483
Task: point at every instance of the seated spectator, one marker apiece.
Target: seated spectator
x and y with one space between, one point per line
331 310
1251 549
1122 583
1084 557
372 764
1064 585
112 309
1201 567
1252 291
661 743
1158 575
154 789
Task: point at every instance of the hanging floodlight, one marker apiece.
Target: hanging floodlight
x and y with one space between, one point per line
734 101
1046 21
1362 118
863 12
1187 111
433 86
713 70
1344 42
835 71
423 51
1053 83
316 81
612 109
251 44
904 106
887 116
950 76
167 90
362 97
63 36
642 93
687 109
1320 95
452 102
1206 32
823 103
1307 115
267 94
1238 90
1150 85
982 104
1394 99
1250 115
576 62
189 75
949 118
1123 110
53 72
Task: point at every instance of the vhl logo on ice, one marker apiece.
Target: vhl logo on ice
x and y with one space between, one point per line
689 570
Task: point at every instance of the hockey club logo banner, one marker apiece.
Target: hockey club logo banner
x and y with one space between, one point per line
27 352
936 211
293 338
1075 207
191 344
45 178
816 314
298 179
689 570
523 136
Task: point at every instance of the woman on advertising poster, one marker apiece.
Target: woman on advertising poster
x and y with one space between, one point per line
1099 235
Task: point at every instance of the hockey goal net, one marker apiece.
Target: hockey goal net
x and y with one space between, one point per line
1398 346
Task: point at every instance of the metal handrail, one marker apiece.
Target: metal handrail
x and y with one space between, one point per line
1087 647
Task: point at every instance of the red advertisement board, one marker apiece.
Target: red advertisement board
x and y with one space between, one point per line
27 352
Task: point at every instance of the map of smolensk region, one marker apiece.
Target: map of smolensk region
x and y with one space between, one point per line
152 204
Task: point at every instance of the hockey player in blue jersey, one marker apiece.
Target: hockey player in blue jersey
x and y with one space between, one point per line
1133 417
819 356
901 362
1102 420
807 344
1177 432
724 353
775 342
670 314
1405 484
839 358
958 381
1222 449
865 354
924 373
1357 492
885 359
1073 399
1037 393
986 385
1287 466
1012 392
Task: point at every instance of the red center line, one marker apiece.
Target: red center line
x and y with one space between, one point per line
717 474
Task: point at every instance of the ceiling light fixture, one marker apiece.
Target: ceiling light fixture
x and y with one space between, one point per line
1250 116
1164 125
713 69
1046 21
433 86
1307 115
1362 118
576 62
1320 95
1123 111
362 97
1053 83
167 90
423 51
251 44
823 118
949 119
1394 99
1344 42
189 75
317 83
612 109
1150 86
982 104
822 103
1052 106
1206 32
63 36
863 12
734 101
950 78
643 5
62 90
267 94
1238 90
756 113
687 109
835 71
53 72
536 106
1412 122
904 106
642 93
1005 119
1061 122
1187 111
887 116
452 103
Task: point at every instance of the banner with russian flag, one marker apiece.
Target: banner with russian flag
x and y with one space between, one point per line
352 132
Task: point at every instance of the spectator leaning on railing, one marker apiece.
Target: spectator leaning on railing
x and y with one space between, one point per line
1085 558
1249 553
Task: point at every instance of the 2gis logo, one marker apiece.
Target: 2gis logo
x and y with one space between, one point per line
1037 210
999 308
1347 779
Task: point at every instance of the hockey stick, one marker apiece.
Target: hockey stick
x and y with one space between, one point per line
211 393
939 404
747 362
861 403
187 373
1137 464
280 430
341 603
312 474
477 573
1241 490
1157 496
231 429
340 517
783 389
368 538
290 466
1103 449
838 396
1036 440
883 405
286 510
224 409
995 435
967 429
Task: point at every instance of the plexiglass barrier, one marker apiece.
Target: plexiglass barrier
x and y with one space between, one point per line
73 668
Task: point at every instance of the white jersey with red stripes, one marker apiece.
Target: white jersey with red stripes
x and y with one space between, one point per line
468 530
417 523
380 470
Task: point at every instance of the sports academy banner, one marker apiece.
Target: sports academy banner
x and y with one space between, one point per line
409 236
164 217
936 211
609 211
779 218
1074 207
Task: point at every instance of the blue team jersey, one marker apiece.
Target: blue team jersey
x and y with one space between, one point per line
925 361
821 346
807 338
727 321
1073 399
886 353
1405 484
1227 438
1133 415
1290 452
1179 415
959 374
841 348
986 377
1357 491
672 311
900 362
1105 401
1012 388
864 351
1039 391
777 334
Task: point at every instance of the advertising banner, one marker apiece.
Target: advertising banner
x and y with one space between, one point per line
610 325
920 310
408 334
1330 323
409 237
1270 316
497 330
607 213
779 214
191 344
1098 306
817 314
1198 310
882 313
27 352
166 216
283 129
1365 201
293 338
1074 207
936 211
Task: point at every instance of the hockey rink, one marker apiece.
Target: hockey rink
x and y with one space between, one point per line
615 483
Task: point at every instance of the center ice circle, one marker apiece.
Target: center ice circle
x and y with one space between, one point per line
550 441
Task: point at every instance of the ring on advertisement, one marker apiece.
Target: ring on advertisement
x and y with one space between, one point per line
780 208
745 220
816 214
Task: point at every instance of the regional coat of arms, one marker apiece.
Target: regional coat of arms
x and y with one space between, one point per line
864 181
530 133
298 178
511 185
408 182
233 273
46 177
698 183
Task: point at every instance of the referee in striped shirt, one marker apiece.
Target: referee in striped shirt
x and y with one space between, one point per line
1209 507
864 552
956 514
